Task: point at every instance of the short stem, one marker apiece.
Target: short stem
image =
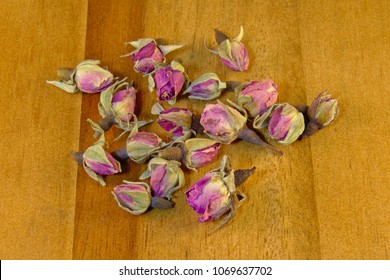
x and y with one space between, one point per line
78 156
311 127
105 123
302 108
220 36
161 203
250 136
120 154
231 85
196 125
172 153
64 73
241 175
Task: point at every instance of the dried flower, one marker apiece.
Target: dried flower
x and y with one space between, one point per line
133 197
117 105
257 96
140 145
222 122
168 81
286 124
148 53
166 177
322 112
200 152
216 195
206 87
96 161
87 77
177 121
232 53
195 152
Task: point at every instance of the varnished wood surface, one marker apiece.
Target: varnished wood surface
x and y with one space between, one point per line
328 197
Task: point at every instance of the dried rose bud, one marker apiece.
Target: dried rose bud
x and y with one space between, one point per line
96 161
148 53
222 122
168 81
200 152
117 105
257 97
140 145
177 121
232 53
133 197
322 111
286 124
166 177
87 77
206 87
216 195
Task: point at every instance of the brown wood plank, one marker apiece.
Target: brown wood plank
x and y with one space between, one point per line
346 47
39 126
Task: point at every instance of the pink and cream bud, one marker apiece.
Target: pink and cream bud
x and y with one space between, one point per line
133 197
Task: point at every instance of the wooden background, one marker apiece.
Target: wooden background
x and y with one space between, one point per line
328 197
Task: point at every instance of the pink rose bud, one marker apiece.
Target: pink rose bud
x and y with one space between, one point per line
215 195
222 123
322 112
286 124
206 87
168 81
324 109
200 152
148 53
87 77
177 121
117 105
232 53
257 97
97 162
165 176
133 197
140 145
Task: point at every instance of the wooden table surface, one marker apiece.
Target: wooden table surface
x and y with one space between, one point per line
328 197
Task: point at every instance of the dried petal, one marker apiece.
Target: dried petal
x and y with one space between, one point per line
206 87
286 124
133 197
166 177
222 122
257 96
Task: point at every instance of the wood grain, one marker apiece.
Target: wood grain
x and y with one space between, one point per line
40 126
326 198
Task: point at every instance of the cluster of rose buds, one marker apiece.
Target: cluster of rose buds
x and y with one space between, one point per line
194 140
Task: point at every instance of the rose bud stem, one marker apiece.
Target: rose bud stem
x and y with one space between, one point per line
196 126
250 136
78 156
231 86
161 203
64 73
220 36
172 153
120 154
311 127
105 123
302 108
241 175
